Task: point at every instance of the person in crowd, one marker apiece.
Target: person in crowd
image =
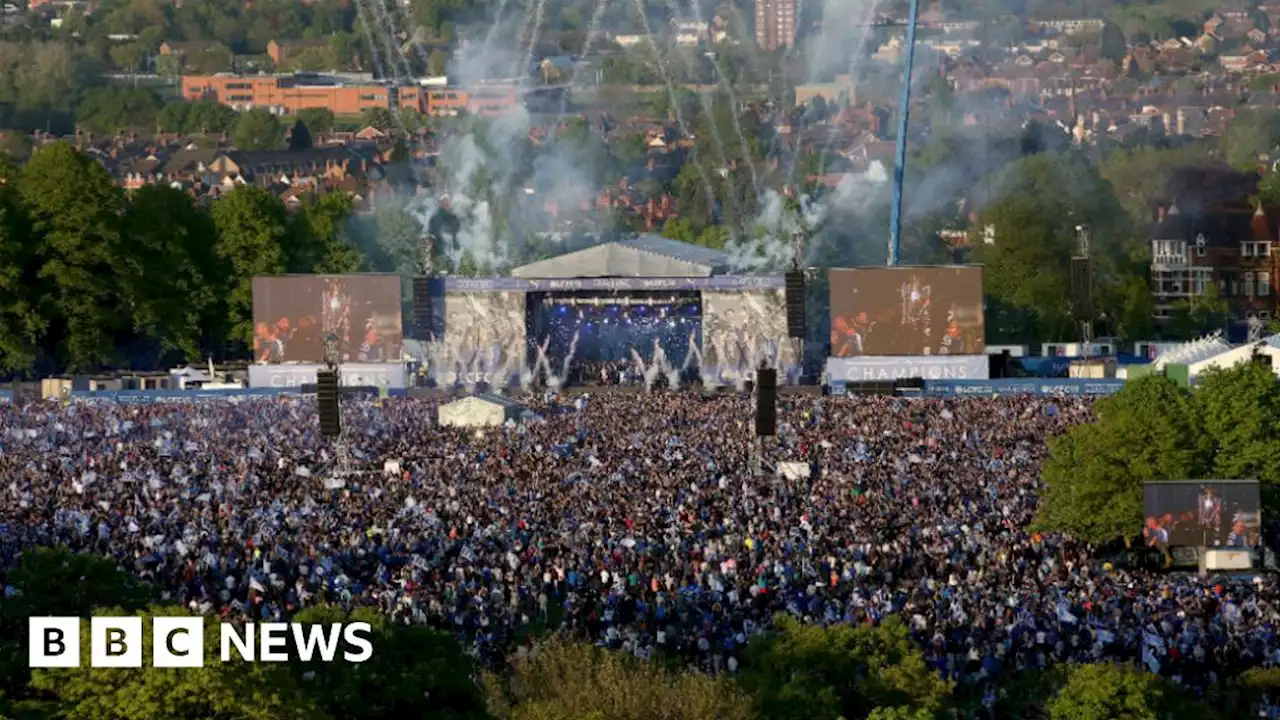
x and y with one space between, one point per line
636 521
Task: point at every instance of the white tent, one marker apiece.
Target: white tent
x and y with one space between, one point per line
483 410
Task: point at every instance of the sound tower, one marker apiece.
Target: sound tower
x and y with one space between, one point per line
421 329
1081 288
766 402
327 399
795 304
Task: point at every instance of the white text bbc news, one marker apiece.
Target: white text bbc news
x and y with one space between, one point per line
178 642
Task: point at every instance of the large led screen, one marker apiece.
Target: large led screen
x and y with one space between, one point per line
907 311
294 314
1202 513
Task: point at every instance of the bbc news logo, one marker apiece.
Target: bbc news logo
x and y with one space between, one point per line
178 642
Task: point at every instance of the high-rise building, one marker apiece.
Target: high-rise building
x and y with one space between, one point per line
775 24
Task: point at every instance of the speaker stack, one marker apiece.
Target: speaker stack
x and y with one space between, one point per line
327 398
421 329
795 304
766 402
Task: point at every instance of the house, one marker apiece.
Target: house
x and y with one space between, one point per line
1227 249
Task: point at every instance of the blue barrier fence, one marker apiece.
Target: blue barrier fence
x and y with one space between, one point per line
1020 386
1050 387
933 388
160 396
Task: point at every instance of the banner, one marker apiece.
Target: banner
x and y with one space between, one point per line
1037 387
389 376
936 367
719 282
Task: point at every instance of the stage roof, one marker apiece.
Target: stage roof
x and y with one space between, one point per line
646 255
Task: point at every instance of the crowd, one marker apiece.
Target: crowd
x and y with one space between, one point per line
646 522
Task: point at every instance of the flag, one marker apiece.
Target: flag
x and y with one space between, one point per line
1064 613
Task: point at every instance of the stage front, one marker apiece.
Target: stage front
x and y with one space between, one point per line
716 330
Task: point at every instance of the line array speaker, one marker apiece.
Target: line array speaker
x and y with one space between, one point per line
795 304
998 365
421 308
766 402
327 399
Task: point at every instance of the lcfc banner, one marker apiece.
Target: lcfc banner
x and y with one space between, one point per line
925 367
388 376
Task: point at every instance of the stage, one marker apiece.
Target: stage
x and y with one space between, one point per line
570 318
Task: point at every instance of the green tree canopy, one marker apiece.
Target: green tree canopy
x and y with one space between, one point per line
1254 133
1121 692
1148 431
75 210
258 129
816 673
581 682
253 691
414 672
253 239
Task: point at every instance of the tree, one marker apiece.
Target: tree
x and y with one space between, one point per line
203 116
75 212
1238 408
414 672
257 129
299 136
1044 203
900 713
1113 45
1120 692
812 672
1094 475
1140 176
322 244
57 582
1201 314
110 110
376 117
174 279
1134 321
1250 135
318 120
129 57
257 691
253 232
583 682
21 325
437 63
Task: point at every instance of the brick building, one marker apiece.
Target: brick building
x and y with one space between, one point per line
287 94
1227 249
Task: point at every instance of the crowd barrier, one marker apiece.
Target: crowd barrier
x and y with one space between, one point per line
935 388
1022 386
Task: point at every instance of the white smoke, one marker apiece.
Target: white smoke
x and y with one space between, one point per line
769 246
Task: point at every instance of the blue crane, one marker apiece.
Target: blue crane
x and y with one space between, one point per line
900 149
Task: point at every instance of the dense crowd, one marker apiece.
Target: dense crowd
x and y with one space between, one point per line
646 522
